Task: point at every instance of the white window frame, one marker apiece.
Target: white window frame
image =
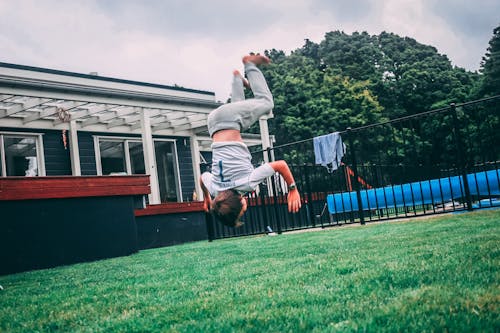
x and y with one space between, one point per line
40 157
177 173
126 141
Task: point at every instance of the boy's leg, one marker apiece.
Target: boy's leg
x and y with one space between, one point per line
242 114
257 81
237 91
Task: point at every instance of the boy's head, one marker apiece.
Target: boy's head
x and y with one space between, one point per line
228 207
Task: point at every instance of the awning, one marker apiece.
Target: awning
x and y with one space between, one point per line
40 98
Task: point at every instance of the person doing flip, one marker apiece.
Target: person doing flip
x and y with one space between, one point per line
232 173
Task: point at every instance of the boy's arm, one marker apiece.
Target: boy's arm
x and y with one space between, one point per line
282 168
207 199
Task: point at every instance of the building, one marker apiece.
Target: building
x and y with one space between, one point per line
61 123
94 167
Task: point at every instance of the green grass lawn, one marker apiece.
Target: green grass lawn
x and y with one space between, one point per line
431 274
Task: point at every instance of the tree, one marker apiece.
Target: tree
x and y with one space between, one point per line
490 66
311 100
407 77
483 121
357 80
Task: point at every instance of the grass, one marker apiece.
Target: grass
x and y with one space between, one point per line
431 274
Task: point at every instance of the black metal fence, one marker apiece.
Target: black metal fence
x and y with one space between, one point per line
439 161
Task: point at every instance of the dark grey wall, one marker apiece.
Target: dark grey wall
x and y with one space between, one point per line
50 232
87 154
169 229
57 159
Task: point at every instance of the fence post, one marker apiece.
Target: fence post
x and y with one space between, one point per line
355 171
275 197
309 205
210 226
461 160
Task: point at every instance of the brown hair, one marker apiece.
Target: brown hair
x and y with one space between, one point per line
227 206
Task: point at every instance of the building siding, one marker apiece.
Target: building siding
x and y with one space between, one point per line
57 159
87 154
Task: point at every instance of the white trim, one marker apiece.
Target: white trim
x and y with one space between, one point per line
149 157
119 113
264 137
21 133
68 81
97 153
117 138
3 171
122 139
38 137
41 160
128 165
74 150
196 161
177 173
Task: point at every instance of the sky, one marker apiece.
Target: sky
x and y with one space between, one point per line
197 44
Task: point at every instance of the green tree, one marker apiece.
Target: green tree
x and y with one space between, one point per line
357 80
407 77
490 66
482 122
311 100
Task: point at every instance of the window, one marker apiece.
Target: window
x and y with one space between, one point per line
136 158
112 157
21 154
116 156
167 168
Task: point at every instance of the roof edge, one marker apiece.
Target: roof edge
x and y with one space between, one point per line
102 78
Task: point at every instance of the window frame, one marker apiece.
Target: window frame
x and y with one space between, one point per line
40 157
126 141
177 173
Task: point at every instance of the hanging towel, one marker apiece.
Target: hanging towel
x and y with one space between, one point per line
329 150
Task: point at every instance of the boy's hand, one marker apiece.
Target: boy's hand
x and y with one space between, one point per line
282 168
207 200
294 203
207 203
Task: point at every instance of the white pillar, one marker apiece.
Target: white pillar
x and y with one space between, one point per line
264 136
195 153
266 143
149 158
74 150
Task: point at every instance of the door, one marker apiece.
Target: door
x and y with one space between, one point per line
167 168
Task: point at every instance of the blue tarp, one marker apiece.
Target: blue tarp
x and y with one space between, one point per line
435 191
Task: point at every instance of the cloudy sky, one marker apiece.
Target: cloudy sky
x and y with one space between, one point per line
197 43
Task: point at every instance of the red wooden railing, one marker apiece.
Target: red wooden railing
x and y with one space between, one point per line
171 208
58 187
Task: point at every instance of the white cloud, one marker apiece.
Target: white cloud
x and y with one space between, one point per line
197 44
413 19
